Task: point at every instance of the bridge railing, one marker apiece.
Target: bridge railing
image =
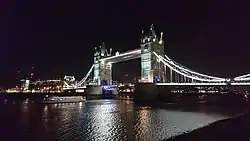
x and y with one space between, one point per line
123 54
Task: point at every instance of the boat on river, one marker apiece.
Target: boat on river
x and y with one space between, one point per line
63 99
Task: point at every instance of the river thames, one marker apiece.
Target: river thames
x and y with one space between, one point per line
25 120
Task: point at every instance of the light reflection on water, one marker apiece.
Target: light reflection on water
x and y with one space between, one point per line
104 120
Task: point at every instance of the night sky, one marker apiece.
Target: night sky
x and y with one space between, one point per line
57 37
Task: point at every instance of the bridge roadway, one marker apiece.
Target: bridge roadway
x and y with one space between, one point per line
174 84
202 84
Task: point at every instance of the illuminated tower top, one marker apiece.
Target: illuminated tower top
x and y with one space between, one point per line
161 39
151 36
152 32
103 49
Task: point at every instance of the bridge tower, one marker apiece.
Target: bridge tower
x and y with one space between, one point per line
151 68
102 70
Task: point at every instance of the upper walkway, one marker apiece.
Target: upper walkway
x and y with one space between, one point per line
128 55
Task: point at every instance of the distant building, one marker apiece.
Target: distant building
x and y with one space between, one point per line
51 86
69 80
25 84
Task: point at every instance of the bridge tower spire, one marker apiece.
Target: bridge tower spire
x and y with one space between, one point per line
142 36
152 32
103 50
161 39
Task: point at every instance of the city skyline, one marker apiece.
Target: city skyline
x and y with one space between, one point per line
58 41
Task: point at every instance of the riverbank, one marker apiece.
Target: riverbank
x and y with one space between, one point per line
233 129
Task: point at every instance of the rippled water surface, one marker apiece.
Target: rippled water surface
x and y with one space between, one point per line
100 120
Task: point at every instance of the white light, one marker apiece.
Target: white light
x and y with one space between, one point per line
190 84
117 53
80 104
167 57
66 84
195 78
123 54
240 83
80 91
45 108
246 75
242 79
102 62
87 75
171 62
217 78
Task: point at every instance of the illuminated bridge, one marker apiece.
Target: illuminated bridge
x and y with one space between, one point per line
156 67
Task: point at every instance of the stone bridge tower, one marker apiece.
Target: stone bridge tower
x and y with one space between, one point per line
102 70
151 69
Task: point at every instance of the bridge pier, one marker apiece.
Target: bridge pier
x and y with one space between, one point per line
100 92
93 90
145 93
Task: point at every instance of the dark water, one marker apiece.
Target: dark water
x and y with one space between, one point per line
100 120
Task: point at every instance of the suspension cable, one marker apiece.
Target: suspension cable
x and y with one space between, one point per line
192 77
188 70
84 78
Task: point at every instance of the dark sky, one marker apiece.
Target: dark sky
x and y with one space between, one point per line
58 36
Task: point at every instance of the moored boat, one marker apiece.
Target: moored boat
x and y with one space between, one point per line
63 99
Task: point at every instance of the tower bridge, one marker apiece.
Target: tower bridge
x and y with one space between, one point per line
156 67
